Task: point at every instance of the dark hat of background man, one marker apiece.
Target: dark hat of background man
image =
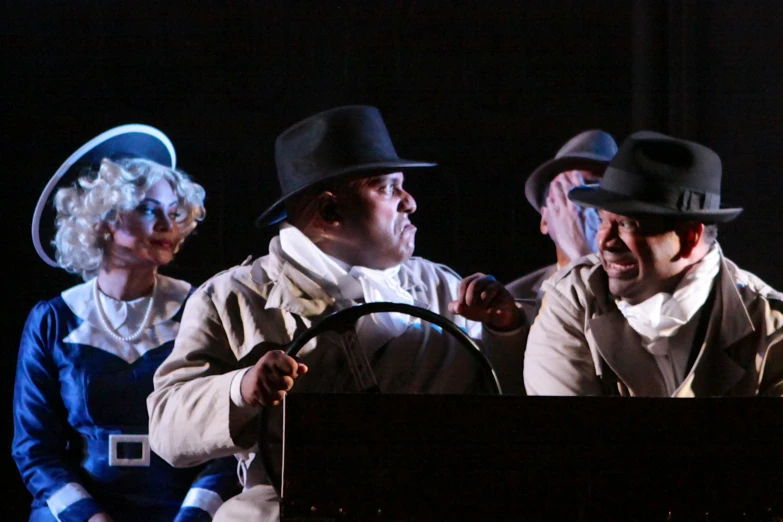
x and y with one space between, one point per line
589 150
655 174
336 142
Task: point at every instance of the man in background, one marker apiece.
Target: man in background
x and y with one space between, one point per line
571 227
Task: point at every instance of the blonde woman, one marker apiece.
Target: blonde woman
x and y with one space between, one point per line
87 357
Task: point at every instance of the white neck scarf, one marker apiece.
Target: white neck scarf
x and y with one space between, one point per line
354 283
659 318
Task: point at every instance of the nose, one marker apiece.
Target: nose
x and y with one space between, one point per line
407 203
164 222
606 235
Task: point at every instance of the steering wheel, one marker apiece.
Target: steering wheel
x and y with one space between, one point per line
343 322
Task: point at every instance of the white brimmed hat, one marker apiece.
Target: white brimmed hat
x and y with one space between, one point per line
126 141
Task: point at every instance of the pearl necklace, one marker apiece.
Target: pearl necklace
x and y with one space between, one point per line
105 321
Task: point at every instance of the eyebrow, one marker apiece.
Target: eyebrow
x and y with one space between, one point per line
151 200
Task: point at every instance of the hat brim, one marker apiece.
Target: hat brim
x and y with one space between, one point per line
596 197
546 172
131 140
277 213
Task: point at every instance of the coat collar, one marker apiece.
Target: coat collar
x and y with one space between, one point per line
713 372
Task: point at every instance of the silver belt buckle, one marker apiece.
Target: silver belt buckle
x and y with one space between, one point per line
115 460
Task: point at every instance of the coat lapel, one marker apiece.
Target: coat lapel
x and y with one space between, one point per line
715 372
621 347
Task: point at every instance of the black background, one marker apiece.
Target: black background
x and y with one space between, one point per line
488 90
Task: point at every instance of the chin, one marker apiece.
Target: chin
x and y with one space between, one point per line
163 260
620 289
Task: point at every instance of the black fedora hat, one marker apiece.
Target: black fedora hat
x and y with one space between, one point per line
589 150
655 174
125 141
336 142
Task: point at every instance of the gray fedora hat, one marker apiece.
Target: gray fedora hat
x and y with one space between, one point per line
656 174
589 150
333 143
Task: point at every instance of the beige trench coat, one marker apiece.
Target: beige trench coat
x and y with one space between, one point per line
580 344
228 324
527 290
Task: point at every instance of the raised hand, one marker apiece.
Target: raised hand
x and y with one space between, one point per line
482 298
571 226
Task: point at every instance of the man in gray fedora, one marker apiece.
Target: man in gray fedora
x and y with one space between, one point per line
571 227
346 237
658 311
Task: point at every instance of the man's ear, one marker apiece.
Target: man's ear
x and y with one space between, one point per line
690 233
327 208
543 226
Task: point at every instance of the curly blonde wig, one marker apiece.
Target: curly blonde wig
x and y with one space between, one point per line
99 197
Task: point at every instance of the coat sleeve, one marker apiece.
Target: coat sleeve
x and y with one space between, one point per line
506 352
558 360
216 483
192 419
40 427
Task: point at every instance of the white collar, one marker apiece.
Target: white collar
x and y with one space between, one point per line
169 298
170 295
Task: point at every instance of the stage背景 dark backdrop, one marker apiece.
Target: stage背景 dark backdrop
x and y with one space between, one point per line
488 90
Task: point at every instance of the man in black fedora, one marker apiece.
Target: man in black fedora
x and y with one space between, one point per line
346 238
571 227
659 311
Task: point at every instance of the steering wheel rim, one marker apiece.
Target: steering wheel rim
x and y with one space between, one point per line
343 320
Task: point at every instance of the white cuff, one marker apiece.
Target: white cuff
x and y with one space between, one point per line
236 389
66 496
203 499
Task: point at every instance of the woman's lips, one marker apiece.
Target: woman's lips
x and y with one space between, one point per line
163 243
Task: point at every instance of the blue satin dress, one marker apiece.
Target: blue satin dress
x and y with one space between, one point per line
80 414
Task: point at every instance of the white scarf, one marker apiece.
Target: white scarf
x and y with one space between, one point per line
661 316
354 283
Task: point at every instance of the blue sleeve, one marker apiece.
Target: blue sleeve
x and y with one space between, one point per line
216 483
40 429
